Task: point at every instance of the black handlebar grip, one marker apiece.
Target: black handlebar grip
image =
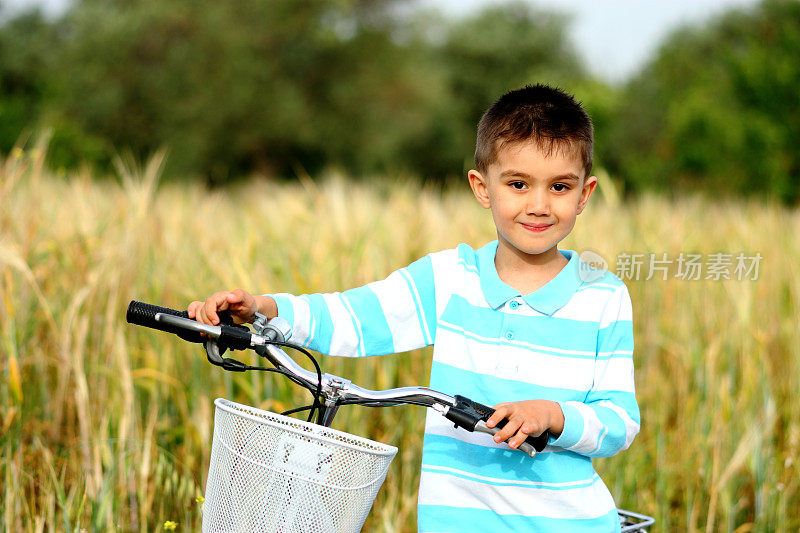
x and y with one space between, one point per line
142 314
482 412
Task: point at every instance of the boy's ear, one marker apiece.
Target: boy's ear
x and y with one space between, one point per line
477 183
589 185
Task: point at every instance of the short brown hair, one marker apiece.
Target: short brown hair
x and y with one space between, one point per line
545 115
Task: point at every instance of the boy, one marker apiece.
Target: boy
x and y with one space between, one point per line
513 325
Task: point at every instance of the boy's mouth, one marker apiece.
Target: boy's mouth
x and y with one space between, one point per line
535 227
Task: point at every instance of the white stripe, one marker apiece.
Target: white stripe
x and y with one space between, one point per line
303 319
514 362
615 353
418 302
616 374
312 326
522 483
451 278
617 308
439 488
359 330
590 306
344 339
398 308
592 427
465 266
600 440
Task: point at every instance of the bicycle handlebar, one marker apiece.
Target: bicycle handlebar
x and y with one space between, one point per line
462 411
142 314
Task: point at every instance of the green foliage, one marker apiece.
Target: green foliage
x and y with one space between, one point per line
718 109
234 86
25 53
279 87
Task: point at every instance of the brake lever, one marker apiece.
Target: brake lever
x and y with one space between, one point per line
214 348
524 447
473 416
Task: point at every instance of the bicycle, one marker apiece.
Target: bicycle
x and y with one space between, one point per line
271 472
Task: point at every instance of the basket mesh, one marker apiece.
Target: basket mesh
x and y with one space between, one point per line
272 473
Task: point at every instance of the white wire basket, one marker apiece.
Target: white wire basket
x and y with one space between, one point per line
272 473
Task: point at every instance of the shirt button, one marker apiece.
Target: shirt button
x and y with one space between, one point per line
514 304
509 335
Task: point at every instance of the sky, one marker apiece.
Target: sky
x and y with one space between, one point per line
615 37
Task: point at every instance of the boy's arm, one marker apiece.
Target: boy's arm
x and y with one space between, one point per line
606 422
389 316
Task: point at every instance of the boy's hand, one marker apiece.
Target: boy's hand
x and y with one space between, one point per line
529 417
241 305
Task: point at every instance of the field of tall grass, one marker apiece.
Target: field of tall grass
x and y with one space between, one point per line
104 426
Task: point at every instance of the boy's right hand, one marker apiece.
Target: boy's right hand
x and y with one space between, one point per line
241 305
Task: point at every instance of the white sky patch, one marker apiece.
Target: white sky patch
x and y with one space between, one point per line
614 37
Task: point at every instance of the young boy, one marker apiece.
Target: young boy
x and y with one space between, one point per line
515 324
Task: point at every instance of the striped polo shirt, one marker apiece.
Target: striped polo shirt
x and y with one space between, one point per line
570 341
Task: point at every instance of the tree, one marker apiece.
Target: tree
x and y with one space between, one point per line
25 57
272 85
241 85
499 49
718 109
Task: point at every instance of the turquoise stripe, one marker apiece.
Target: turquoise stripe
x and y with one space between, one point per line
590 356
442 519
548 331
491 390
377 337
285 306
616 337
506 465
614 440
467 255
421 272
626 400
321 333
573 427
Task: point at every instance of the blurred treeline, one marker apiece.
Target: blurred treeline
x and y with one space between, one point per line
280 87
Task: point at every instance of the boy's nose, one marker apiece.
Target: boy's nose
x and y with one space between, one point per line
538 203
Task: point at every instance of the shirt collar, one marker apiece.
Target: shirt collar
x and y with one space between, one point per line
548 299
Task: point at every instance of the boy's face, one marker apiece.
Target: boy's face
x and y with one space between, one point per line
534 197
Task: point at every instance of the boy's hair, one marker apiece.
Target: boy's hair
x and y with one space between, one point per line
545 115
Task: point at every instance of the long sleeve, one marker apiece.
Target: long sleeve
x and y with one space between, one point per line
394 315
607 421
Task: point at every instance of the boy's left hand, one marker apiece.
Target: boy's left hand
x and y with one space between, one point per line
528 417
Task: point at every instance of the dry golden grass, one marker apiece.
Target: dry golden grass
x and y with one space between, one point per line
109 426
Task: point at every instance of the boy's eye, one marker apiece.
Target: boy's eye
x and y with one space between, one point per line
519 185
560 187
